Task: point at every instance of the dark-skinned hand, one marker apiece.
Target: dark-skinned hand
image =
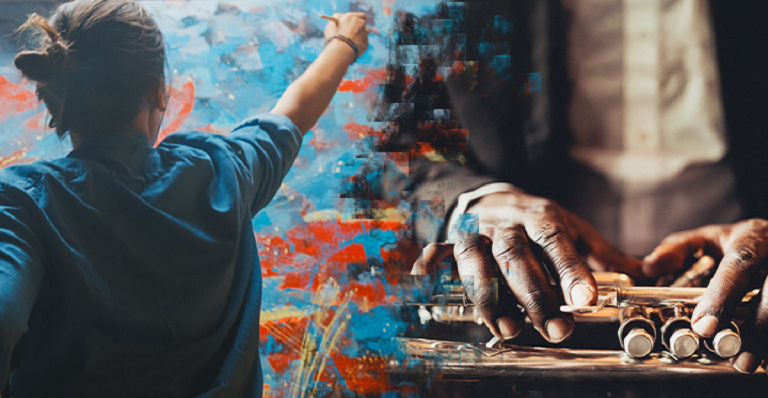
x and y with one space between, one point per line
522 239
742 248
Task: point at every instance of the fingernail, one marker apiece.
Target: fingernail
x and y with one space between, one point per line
581 295
706 326
557 329
507 327
745 363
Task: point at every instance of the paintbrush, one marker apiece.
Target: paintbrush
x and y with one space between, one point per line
336 20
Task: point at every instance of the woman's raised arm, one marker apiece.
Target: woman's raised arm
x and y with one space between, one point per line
307 97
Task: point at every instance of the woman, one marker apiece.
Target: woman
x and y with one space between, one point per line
128 270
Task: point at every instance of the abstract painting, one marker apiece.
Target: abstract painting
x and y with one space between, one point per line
333 242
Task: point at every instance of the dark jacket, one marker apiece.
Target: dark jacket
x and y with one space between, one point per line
521 136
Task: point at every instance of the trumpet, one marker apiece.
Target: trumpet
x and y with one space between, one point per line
652 324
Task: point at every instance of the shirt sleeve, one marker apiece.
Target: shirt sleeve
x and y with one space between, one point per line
455 233
270 144
21 275
262 148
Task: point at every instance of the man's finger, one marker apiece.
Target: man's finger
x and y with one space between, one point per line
485 287
754 335
545 228
530 285
731 281
600 255
432 258
675 249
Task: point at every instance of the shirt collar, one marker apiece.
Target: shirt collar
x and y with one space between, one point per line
123 152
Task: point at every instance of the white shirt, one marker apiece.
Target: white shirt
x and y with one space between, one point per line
647 121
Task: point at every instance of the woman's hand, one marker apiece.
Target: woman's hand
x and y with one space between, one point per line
308 97
351 25
743 248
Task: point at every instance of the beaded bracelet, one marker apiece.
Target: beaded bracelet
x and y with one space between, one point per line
346 40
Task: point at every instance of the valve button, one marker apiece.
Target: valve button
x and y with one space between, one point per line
683 343
727 343
638 343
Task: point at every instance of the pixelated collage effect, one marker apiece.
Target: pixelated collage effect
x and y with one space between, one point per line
336 243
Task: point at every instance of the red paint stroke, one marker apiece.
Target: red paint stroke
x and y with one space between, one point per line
320 145
312 253
354 253
364 375
296 280
400 260
326 317
336 231
267 392
386 7
357 131
287 334
180 106
378 75
356 86
366 295
15 98
281 361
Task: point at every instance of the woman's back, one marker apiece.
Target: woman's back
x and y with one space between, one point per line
128 270
149 272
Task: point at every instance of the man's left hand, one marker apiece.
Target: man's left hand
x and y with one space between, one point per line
743 247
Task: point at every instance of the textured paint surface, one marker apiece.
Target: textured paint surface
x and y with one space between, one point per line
334 241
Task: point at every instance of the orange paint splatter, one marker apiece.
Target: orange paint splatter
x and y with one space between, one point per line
296 280
366 295
351 254
387 7
356 86
366 375
17 157
320 145
378 75
312 253
357 131
179 107
281 361
287 334
14 98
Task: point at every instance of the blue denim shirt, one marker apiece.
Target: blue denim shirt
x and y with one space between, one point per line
129 271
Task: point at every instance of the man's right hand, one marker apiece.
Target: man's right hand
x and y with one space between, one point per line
522 239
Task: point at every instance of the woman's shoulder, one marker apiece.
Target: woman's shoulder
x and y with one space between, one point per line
25 176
